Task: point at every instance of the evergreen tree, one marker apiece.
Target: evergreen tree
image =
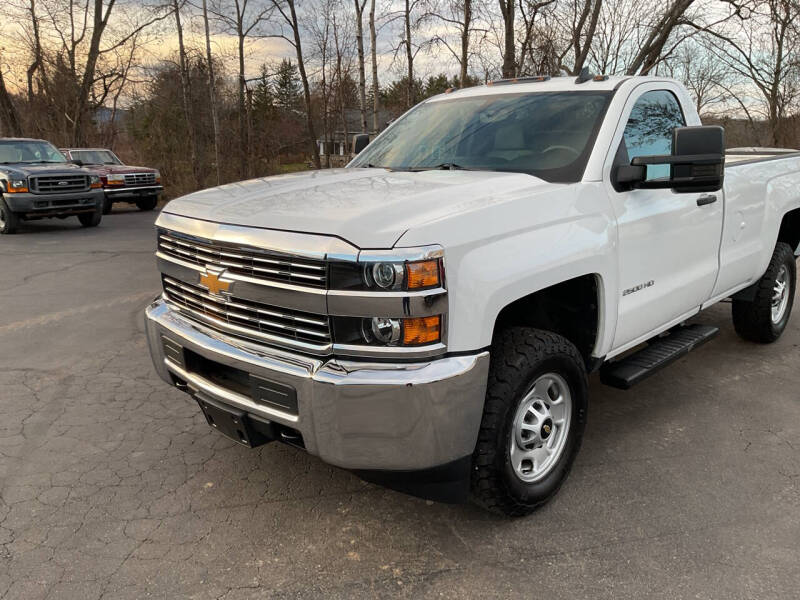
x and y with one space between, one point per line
287 86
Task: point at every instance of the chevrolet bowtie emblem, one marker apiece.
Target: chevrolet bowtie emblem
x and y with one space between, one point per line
213 282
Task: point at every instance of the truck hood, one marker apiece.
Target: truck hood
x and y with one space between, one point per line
370 208
26 170
118 169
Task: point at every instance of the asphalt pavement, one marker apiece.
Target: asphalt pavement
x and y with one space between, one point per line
113 486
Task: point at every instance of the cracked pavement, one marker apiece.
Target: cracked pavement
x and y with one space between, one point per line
113 486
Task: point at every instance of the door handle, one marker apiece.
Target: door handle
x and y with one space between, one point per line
706 199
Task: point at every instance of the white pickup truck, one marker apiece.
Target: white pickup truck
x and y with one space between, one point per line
428 315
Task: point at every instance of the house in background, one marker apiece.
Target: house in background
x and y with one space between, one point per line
336 151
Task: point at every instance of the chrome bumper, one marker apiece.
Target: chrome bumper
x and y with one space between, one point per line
356 415
133 192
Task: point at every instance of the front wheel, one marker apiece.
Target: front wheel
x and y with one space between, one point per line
533 421
91 219
107 205
9 221
764 317
147 203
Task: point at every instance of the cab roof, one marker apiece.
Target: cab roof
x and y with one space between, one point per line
547 84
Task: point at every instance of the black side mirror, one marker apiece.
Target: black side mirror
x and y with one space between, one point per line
697 163
360 142
75 161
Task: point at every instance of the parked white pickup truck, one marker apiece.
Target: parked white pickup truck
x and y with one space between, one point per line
427 316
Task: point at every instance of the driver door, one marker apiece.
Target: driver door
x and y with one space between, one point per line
668 242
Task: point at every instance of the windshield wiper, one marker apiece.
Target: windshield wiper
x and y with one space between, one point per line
447 166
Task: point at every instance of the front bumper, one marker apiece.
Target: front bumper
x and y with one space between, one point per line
368 416
44 205
120 193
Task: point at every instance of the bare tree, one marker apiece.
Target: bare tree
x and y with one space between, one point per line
458 16
373 51
243 18
652 51
287 10
762 46
705 76
509 47
186 94
212 91
9 118
360 5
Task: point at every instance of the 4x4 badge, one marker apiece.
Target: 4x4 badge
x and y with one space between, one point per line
213 282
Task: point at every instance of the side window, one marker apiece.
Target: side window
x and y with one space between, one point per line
649 129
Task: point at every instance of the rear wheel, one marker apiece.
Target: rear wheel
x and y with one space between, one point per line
9 221
147 203
764 317
533 421
91 219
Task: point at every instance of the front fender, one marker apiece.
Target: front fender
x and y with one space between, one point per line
519 247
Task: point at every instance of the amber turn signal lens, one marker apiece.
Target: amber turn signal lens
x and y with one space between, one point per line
422 274
422 330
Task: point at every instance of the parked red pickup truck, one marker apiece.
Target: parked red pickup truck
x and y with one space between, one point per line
121 183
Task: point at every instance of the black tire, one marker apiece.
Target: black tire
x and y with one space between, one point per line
753 318
147 203
9 221
91 219
107 206
520 356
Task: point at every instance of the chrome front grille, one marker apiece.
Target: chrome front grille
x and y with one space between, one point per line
59 184
248 319
140 178
241 260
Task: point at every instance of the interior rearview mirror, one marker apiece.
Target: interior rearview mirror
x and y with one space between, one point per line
697 163
360 142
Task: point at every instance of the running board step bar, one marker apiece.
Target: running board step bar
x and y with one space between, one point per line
660 352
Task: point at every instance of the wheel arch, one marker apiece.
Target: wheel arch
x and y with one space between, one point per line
789 230
571 308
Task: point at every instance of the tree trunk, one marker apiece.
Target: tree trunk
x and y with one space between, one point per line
581 53
373 37
100 21
650 52
37 63
465 42
185 95
409 57
509 60
362 77
244 143
9 118
212 92
312 136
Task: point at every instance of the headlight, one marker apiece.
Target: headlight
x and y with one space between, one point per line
385 331
158 177
384 275
382 330
95 182
16 186
115 179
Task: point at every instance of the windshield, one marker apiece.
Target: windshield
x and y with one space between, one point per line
95 157
29 151
546 134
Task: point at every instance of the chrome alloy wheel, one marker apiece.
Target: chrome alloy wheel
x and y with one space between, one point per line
540 428
780 295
